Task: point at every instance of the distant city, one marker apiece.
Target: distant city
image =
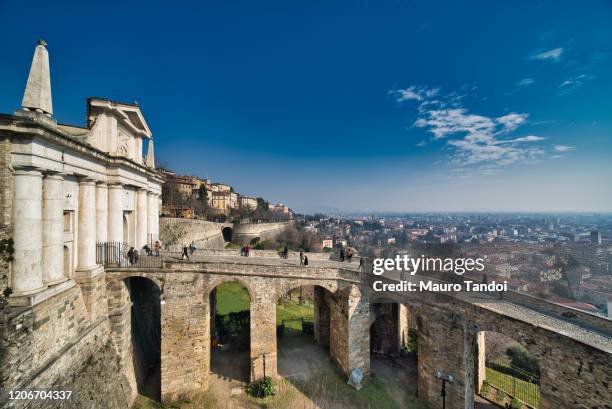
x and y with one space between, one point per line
563 258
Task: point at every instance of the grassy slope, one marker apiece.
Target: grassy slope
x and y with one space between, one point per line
232 297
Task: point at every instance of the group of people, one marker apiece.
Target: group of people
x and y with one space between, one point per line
187 250
133 255
303 259
348 255
245 251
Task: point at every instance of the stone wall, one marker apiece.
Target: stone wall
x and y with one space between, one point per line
54 345
174 232
244 233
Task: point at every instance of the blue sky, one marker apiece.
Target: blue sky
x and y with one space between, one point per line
353 105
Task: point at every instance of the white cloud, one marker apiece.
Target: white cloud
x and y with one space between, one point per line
563 148
528 138
475 140
553 55
525 82
573 83
413 93
421 144
512 120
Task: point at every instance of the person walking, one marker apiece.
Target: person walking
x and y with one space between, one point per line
286 252
349 255
361 263
157 248
247 250
301 259
130 255
185 253
305 261
192 247
342 255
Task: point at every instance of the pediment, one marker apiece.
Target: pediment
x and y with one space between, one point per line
129 115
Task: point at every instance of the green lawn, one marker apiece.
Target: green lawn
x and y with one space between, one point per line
292 310
524 391
232 297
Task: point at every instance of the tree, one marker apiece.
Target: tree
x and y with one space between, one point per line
202 200
522 359
263 204
289 236
311 241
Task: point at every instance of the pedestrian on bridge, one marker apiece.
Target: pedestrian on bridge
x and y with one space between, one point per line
301 259
185 252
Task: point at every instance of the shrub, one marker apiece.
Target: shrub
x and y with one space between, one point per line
413 340
516 404
265 245
522 359
263 388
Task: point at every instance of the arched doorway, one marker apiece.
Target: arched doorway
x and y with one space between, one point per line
146 335
506 372
230 328
394 349
303 331
227 234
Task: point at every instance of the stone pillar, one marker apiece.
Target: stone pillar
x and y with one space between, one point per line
26 274
263 336
403 325
115 213
480 360
321 316
53 229
350 330
86 239
151 214
101 213
141 218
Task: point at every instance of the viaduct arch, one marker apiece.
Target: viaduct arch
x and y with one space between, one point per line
575 364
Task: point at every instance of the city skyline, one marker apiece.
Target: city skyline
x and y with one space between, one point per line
357 107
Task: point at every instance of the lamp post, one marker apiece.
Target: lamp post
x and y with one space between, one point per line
444 378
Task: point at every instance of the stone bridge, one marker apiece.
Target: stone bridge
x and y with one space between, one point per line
574 355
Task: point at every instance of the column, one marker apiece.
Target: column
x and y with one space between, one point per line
101 213
151 214
141 218
53 229
86 240
26 274
115 213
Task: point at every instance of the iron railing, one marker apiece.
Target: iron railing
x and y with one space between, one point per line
515 382
116 254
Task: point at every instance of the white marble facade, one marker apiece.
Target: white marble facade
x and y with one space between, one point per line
76 186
